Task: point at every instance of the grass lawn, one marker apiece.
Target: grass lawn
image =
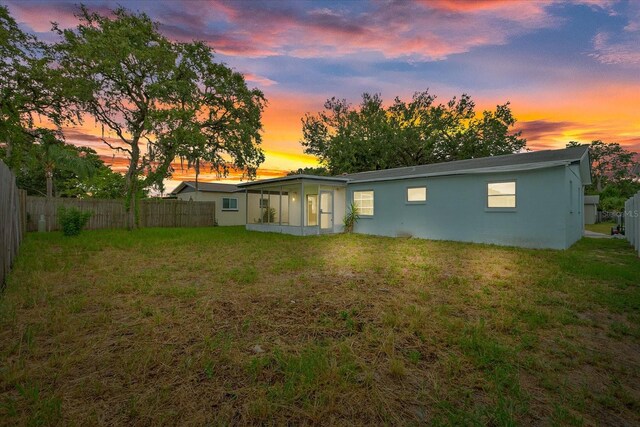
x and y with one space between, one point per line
601 227
224 326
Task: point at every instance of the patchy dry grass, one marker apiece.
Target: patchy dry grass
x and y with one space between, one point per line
225 326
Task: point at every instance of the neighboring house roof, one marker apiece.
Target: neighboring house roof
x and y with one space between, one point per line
591 200
505 163
206 187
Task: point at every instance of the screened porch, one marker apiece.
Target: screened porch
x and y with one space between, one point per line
299 204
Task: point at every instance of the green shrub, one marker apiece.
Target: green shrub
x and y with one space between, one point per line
351 218
72 220
269 215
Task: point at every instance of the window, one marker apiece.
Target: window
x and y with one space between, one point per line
264 203
229 204
364 202
417 194
501 194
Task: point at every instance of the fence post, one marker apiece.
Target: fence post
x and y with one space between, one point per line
632 221
142 218
11 224
23 211
636 221
628 221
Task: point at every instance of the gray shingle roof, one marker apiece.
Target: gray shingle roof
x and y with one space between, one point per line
533 158
591 200
297 177
207 187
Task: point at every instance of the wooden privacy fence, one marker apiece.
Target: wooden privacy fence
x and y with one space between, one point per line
177 213
632 221
104 213
12 221
112 213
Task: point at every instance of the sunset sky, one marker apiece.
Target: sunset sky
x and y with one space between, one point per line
571 69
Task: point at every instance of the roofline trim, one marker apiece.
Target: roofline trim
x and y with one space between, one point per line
496 169
332 179
185 184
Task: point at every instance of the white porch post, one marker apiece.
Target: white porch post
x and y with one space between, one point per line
303 205
280 211
261 206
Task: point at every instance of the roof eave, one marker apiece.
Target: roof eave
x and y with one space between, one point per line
332 179
477 171
179 188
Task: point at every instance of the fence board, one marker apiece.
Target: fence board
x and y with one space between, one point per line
112 213
11 226
632 221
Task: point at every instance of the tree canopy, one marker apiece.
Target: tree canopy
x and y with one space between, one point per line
29 86
372 137
614 172
160 99
319 171
610 163
51 167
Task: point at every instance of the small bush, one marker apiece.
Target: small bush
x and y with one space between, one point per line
351 218
269 215
72 220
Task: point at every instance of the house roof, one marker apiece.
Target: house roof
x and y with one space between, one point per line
505 163
591 200
206 187
298 177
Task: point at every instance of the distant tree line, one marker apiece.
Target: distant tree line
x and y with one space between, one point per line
157 101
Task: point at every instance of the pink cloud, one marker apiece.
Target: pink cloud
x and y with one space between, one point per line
624 51
424 31
429 31
259 80
39 17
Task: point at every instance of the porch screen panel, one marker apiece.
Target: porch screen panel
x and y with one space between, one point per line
274 207
254 215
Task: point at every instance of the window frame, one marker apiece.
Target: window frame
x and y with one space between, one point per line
501 208
416 202
230 208
373 200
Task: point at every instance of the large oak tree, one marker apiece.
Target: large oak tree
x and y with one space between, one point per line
157 101
372 137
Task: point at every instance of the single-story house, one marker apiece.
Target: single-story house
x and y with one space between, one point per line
230 201
591 209
532 199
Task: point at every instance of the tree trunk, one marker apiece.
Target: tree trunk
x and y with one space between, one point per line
49 175
132 186
197 169
131 213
